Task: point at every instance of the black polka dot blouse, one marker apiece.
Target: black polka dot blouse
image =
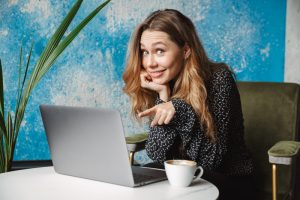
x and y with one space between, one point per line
184 137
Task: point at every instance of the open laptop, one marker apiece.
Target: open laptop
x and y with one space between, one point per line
90 143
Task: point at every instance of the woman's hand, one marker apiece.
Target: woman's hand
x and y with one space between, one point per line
147 83
163 113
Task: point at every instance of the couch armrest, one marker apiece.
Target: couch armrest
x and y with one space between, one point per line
136 142
283 152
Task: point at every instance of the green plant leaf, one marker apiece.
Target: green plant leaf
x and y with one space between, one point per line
9 131
1 91
9 141
61 47
27 66
2 158
21 89
51 45
9 128
53 42
42 67
2 121
20 71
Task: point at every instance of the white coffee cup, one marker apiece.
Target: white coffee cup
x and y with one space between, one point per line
181 173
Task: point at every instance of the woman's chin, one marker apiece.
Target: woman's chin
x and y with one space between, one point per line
159 81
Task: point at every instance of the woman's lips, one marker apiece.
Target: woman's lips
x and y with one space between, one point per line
156 74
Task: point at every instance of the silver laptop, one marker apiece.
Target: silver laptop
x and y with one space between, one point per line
90 143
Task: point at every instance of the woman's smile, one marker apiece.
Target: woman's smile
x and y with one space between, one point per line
156 73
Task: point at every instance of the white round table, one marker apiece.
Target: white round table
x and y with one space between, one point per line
44 183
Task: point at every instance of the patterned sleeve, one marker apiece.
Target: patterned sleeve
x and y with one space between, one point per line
160 140
162 137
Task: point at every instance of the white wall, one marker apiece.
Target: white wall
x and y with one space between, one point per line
292 42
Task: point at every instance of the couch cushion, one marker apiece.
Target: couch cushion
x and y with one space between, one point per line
271 114
284 149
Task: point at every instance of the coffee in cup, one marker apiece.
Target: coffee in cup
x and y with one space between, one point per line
181 173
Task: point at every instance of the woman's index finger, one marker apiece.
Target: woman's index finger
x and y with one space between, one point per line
147 112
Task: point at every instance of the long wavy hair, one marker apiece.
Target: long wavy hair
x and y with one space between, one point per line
190 85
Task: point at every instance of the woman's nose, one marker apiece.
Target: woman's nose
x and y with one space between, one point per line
151 61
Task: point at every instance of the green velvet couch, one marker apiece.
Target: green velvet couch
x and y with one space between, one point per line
271 114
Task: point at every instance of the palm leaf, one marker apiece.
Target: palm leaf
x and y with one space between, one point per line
9 129
41 70
61 47
26 70
20 71
9 140
48 59
2 122
55 39
22 86
2 163
1 91
54 48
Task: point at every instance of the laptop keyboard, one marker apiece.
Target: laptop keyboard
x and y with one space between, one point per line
144 175
138 178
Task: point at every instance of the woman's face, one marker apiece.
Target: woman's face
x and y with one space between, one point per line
161 58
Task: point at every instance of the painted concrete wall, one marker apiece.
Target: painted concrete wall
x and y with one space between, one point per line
248 35
292 42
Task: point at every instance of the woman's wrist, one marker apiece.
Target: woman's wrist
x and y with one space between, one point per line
164 94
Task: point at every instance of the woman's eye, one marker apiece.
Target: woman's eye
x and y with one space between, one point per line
144 53
160 51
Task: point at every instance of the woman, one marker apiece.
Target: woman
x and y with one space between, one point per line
193 103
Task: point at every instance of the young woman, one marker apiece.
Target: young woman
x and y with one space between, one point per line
193 102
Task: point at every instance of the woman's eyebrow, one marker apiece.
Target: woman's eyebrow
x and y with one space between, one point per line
157 43
154 44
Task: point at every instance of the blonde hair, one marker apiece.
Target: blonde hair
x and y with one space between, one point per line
190 85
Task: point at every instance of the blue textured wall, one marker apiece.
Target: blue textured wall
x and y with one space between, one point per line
248 35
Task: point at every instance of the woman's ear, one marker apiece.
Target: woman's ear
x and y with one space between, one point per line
186 51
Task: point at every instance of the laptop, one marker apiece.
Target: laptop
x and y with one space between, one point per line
90 143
